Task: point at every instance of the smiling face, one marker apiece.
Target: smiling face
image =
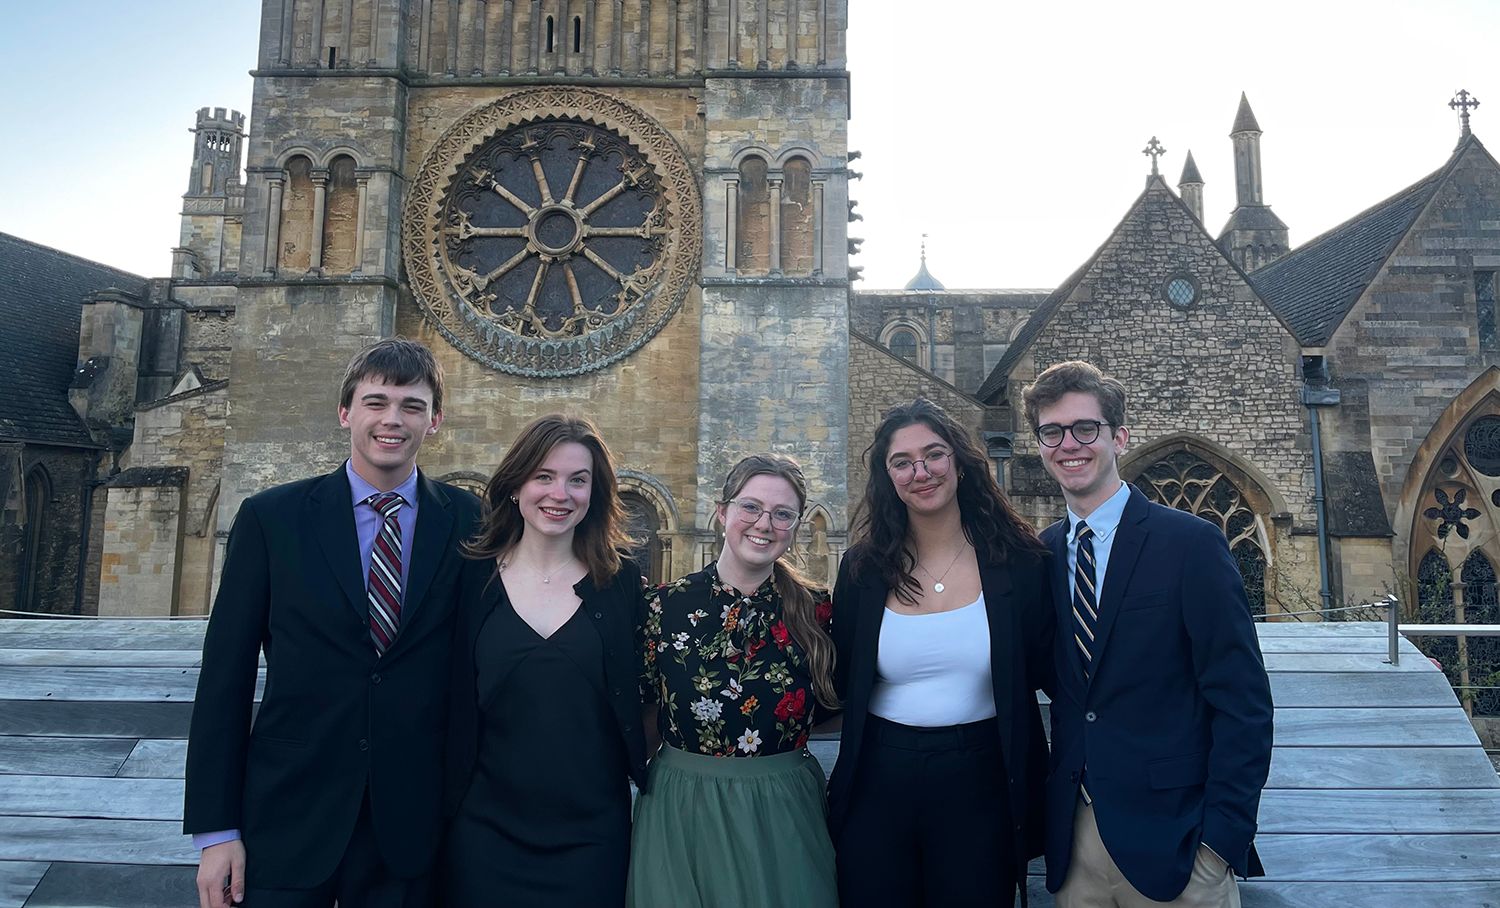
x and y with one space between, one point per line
555 497
1089 474
387 424
920 452
754 547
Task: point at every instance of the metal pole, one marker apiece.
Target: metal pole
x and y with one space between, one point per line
1317 453
1393 608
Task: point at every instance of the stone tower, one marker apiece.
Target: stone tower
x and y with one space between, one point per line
633 210
1254 235
1190 187
214 201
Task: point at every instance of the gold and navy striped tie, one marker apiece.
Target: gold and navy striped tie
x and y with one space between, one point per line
1085 599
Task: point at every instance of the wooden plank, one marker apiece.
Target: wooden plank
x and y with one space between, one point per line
156 760
112 799
1344 662
1328 643
1370 727
69 885
63 756
95 841
99 640
17 880
103 658
1335 628
1380 858
83 718
1444 894
185 626
1339 812
1381 767
130 684
1361 689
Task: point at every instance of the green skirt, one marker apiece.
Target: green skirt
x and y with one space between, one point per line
732 832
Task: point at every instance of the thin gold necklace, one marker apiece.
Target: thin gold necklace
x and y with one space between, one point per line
546 578
937 585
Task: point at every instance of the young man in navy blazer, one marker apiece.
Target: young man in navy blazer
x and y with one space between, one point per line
1161 724
347 582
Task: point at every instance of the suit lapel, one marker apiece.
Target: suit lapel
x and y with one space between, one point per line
867 639
1130 536
434 526
1062 600
1000 613
333 521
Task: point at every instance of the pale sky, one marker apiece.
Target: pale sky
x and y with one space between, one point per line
1010 133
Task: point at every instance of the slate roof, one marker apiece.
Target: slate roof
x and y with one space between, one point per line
1190 171
41 295
1244 118
1314 286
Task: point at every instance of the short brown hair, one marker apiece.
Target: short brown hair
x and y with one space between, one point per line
1080 377
396 361
600 535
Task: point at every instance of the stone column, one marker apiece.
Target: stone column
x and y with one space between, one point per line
672 38
817 201
450 65
645 43
507 35
732 228
481 12
589 13
533 65
793 13
734 34
822 26
320 207
273 224
615 53
346 38
317 34
763 40
775 185
561 36
372 57
424 43
359 225
288 20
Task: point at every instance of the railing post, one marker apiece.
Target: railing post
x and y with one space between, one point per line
1393 607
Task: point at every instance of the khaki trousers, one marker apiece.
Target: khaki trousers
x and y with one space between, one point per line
1095 882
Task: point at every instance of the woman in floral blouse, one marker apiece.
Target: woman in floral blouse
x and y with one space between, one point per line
738 667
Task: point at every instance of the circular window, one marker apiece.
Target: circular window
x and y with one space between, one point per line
1181 291
1482 445
1448 466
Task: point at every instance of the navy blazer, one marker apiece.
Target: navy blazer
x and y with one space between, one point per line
1016 599
1175 724
336 718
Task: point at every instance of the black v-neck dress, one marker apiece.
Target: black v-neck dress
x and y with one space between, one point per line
546 820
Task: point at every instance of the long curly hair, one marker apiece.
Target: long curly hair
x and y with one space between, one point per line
599 536
990 523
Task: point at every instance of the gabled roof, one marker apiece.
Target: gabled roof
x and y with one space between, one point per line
1314 286
1244 118
41 303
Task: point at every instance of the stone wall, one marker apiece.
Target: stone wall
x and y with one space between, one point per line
969 330
142 542
53 563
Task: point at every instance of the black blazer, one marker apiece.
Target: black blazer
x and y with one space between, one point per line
1175 725
335 718
1022 625
613 611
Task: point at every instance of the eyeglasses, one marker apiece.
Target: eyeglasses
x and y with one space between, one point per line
1085 432
749 512
904 471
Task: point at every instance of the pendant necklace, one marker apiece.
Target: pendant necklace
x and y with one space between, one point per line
546 578
937 586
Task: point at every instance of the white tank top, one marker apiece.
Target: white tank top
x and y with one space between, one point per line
933 669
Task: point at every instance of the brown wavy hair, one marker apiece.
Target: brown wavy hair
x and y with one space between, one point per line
990 523
799 599
599 536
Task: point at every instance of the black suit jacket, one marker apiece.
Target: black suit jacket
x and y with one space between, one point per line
613 610
1022 624
1175 724
335 718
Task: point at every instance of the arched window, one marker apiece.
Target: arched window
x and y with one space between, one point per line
754 254
1482 606
797 218
903 343
550 26
38 492
642 523
577 34
297 216
340 217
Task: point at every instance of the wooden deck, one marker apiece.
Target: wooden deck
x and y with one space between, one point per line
1380 795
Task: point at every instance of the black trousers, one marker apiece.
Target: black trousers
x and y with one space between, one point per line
929 820
360 881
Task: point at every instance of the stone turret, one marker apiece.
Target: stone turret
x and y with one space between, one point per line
1254 235
215 197
1190 187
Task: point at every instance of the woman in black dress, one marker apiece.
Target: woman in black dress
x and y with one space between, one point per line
546 728
943 625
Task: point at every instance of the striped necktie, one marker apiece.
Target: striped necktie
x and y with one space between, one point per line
1085 600
385 571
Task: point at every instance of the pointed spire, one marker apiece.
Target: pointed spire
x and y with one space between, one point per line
1244 119
1190 171
924 279
1190 187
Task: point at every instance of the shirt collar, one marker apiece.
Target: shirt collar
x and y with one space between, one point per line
1106 518
361 490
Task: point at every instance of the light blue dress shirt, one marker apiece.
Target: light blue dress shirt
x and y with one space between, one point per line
1104 521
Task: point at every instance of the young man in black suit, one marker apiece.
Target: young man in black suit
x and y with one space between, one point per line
347 582
1161 724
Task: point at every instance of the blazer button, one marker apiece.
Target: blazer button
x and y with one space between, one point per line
363 744
1073 777
375 678
629 728
598 614
617 692
1089 716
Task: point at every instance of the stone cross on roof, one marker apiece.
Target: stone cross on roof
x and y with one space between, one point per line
1155 150
1463 102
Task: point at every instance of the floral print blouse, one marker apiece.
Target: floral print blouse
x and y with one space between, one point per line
726 673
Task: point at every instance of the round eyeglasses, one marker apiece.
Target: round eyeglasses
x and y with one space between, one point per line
903 471
749 512
1085 432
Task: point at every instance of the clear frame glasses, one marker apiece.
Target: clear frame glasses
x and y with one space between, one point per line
1085 432
936 463
749 512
